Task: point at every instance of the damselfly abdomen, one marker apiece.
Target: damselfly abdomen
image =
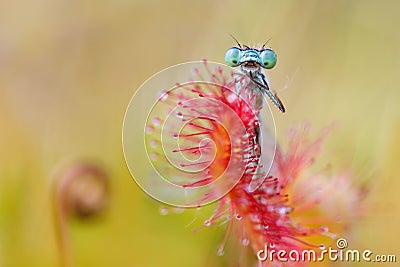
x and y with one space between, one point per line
251 62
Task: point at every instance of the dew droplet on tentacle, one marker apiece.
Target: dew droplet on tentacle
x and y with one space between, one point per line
245 241
153 156
153 143
163 97
220 250
149 129
156 121
179 115
163 211
238 217
324 229
283 210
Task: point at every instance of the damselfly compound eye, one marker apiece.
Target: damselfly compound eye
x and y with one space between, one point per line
232 57
268 58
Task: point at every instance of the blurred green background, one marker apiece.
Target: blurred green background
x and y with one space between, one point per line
69 68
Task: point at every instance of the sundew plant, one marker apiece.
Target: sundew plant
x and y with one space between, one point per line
211 138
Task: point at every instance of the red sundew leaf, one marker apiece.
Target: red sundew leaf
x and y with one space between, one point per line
272 215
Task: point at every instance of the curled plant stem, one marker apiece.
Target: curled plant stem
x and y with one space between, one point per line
80 192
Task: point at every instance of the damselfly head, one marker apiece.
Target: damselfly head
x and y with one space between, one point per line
250 59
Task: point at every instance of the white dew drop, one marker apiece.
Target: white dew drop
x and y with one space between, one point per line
179 115
324 229
333 236
270 190
283 210
153 143
256 218
232 98
153 156
220 251
163 97
163 211
149 129
156 121
245 241
238 217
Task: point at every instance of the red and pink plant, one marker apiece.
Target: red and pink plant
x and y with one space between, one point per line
294 208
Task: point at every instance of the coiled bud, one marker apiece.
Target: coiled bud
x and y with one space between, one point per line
80 191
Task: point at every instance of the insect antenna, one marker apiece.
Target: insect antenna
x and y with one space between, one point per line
265 43
233 37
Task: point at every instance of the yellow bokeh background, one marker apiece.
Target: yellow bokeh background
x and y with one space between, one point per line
69 68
